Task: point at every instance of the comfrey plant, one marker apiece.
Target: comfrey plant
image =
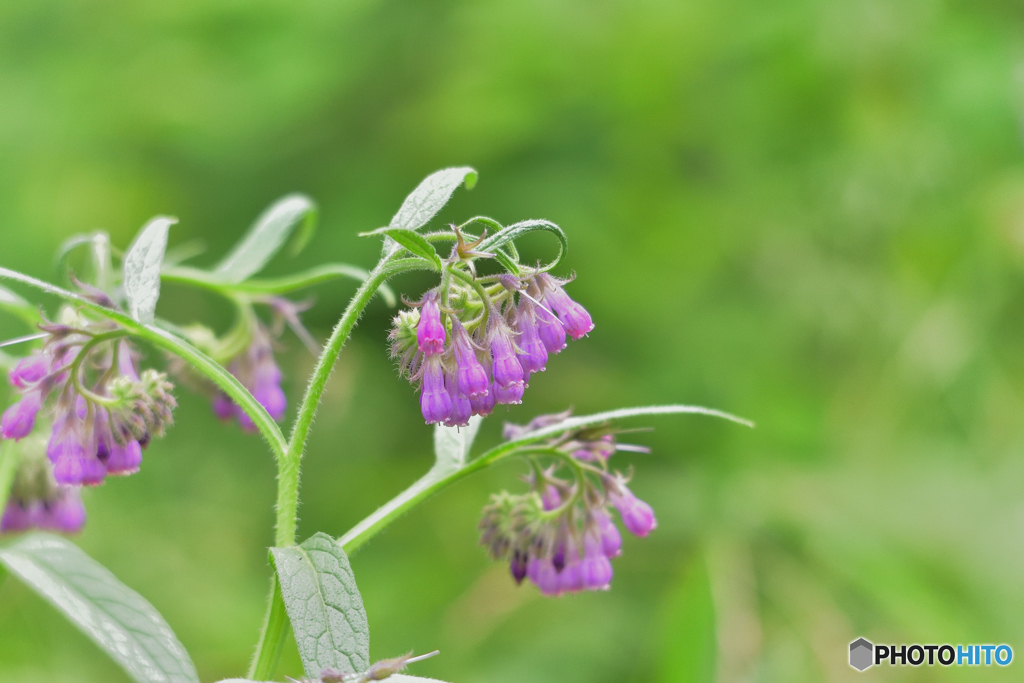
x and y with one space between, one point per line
86 405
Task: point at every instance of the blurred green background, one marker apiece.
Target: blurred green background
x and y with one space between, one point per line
809 213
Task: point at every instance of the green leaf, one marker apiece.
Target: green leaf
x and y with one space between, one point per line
267 235
412 241
508 234
14 304
115 617
452 445
324 605
402 678
142 268
430 196
612 415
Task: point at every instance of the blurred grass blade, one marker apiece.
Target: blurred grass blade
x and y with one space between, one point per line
267 235
689 647
324 605
14 304
142 264
115 617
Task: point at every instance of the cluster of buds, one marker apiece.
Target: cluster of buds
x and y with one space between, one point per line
470 347
36 500
561 535
101 412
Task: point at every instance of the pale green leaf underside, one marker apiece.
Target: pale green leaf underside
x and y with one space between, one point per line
452 444
323 605
114 616
267 235
142 264
427 199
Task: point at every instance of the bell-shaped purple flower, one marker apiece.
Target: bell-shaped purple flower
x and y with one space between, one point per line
637 516
223 407
570 579
75 459
28 371
472 377
18 516
574 317
65 513
595 569
518 566
461 408
550 331
543 573
510 395
533 356
611 539
20 418
123 460
505 367
430 331
435 401
483 404
550 498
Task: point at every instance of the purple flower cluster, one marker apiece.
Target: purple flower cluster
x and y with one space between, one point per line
561 535
475 351
258 372
36 500
100 412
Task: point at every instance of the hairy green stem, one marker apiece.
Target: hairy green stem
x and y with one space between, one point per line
275 623
8 469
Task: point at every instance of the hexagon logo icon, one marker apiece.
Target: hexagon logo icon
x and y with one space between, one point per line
861 652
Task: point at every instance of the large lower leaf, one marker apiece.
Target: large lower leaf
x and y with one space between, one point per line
324 605
114 616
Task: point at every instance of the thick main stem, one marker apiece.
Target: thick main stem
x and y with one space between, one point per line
276 623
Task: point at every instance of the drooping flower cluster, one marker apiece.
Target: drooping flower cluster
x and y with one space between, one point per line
469 348
257 370
100 411
561 535
36 500
254 365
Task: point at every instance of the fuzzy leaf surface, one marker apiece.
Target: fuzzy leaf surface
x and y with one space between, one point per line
430 196
267 235
508 234
412 241
114 616
323 605
142 264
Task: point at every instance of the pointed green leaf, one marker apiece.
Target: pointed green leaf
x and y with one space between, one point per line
267 235
324 605
412 241
142 264
452 444
114 616
430 196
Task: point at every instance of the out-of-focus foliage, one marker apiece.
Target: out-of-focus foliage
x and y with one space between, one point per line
807 213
